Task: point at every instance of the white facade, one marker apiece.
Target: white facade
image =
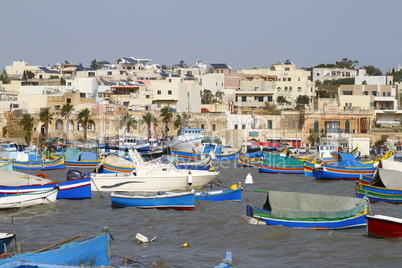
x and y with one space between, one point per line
322 74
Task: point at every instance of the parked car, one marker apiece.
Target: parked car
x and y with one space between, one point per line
301 150
312 150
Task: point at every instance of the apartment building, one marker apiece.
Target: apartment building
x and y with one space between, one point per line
322 74
266 85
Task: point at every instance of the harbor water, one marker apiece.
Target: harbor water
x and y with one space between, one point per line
210 230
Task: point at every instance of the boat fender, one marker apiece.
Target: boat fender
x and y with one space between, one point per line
234 186
189 178
42 175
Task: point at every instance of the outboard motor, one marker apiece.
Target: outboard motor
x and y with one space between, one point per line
74 174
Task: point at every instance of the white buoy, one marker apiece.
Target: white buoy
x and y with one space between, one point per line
141 238
190 178
249 179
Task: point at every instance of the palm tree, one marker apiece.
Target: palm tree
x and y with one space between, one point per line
66 111
127 121
166 115
148 118
46 117
182 120
84 119
27 122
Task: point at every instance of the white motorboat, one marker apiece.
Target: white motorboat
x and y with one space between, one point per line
155 175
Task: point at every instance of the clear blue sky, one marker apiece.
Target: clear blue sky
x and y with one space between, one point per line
242 34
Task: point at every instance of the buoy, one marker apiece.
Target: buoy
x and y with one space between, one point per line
185 245
42 175
141 238
234 186
190 178
211 169
249 179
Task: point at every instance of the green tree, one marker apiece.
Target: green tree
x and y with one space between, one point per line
27 123
62 81
182 120
149 119
303 99
206 96
281 99
219 96
314 138
46 117
84 120
371 70
4 77
95 65
66 111
271 108
346 63
128 121
166 115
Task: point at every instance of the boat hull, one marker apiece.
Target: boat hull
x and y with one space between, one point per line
71 189
380 226
342 173
352 222
28 199
5 240
53 164
152 182
379 194
178 201
220 195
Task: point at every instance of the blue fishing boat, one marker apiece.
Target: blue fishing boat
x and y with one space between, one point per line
76 158
234 193
344 170
5 240
227 262
91 252
159 200
246 160
52 163
274 163
385 185
310 211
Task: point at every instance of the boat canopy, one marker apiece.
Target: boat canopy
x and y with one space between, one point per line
291 205
351 163
276 159
391 179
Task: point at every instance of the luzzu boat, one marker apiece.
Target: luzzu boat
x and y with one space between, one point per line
309 211
386 184
344 170
274 163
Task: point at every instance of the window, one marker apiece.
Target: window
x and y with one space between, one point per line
169 92
236 99
389 94
147 96
213 127
170 80
82 95
202 126
279 88
159 92
269 98
135 126
260 99
59 125
91 73
289 79
317 74
291 123
347 92
347 126
332 126
316 126
68 101
57 107
109 109
243 126
299 89
236 126
284 79
287 69
269 124
244 98
109 73
126 103
290 89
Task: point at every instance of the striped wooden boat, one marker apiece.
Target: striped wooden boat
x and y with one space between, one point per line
273 163
46 164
